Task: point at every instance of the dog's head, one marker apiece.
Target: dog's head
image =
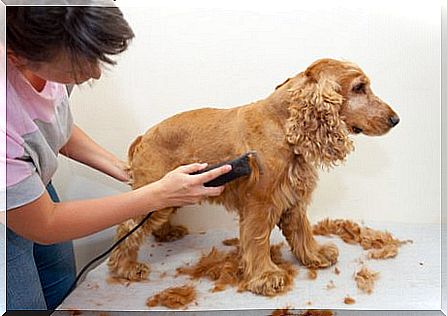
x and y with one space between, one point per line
361 110
329 101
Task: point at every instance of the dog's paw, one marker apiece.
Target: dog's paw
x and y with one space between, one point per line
135 271
269 283
325 256
169 233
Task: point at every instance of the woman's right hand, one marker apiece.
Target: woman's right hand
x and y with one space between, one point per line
179 187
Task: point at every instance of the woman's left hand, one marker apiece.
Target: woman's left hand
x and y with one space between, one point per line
122 172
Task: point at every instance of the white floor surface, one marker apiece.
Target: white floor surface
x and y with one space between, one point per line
411 281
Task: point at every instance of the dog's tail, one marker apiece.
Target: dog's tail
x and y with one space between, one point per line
133 148
130 154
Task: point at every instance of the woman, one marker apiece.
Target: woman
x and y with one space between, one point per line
47 49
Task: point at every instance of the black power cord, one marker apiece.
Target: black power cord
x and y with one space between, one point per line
105 253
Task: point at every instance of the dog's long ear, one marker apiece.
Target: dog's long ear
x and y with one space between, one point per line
314 127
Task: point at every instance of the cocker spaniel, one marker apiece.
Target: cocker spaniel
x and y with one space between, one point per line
305 124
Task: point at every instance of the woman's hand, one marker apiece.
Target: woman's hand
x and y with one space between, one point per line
179 187
121 171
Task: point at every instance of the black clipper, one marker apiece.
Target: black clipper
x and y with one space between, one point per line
240 167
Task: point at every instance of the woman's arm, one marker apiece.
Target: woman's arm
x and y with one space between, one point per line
46 222
82 148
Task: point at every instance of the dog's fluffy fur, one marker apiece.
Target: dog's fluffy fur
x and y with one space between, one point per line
302 126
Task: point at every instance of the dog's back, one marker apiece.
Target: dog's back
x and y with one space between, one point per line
195 136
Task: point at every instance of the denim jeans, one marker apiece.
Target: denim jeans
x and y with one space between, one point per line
37 276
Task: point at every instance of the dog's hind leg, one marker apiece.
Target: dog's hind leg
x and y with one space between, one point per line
296 228
261 275
123 262
168 232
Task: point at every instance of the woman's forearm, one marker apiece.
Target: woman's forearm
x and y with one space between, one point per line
76 219
46 222
82 148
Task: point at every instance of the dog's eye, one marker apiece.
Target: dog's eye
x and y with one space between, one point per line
359 88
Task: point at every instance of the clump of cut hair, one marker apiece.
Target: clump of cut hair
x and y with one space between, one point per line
225 268
365 279
174 297
381 244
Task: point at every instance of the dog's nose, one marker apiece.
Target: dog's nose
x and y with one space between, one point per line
394 120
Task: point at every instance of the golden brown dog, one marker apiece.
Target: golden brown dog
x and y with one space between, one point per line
302 126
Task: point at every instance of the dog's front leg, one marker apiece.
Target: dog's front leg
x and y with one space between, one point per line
261 275
296 228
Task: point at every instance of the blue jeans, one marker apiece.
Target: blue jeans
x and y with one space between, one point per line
38 276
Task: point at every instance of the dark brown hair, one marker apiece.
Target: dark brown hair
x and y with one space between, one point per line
88 34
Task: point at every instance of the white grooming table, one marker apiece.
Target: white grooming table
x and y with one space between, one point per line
411 281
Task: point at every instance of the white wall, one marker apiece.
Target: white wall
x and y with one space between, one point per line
444 114
185 58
